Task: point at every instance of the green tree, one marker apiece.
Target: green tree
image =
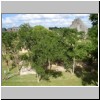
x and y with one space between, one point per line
43 50
46 48
94 19
9 45
25 38
93 35
76 47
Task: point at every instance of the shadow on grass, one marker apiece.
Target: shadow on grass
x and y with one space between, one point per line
49 73
88 76
12 68
54 74
78 72
9 75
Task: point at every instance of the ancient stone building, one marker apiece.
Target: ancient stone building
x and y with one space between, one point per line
80 26
13 29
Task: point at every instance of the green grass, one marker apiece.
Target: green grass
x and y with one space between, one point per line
30 80
67 79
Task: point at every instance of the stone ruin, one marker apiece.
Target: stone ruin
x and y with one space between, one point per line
57 68
27 70
80 26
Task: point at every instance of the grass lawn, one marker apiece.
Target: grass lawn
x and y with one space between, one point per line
67 79
30 80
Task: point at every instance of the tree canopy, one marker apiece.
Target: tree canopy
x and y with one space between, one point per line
46 47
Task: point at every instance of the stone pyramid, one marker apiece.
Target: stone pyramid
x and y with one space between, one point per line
79 25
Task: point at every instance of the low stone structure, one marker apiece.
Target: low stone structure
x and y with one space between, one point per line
13 29
27 70
57 68
60 69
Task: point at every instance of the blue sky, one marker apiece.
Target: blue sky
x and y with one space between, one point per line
46 20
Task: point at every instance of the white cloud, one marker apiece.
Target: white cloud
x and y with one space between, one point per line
81 15
27 16
43 19
54 16
7 21
35 21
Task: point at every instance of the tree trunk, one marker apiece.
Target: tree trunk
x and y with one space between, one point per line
73 65
49 67
17 61
7 62
38 78
18 68
7 65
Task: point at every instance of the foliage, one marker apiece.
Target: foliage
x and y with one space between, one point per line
50 46
93 35
25 33
94 19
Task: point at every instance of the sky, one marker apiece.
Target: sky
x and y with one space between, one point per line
46 20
